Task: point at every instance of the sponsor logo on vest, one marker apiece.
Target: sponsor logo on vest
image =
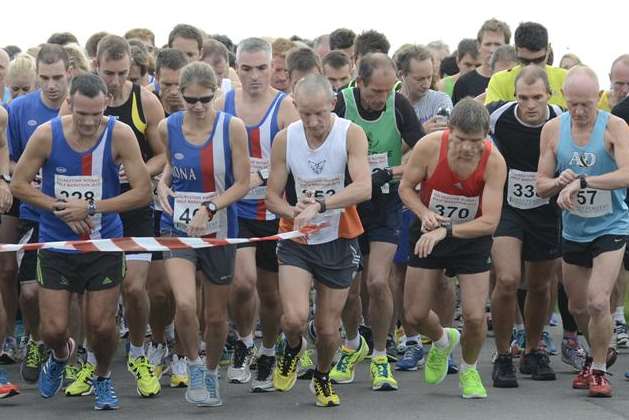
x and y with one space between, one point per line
583 160
61 169
184 173
179 156
31 123
317 167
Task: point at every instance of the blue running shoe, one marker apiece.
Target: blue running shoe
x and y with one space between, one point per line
518 342
197 392
452 366
412 359
627 375
214 391
51 375
549 344
106 398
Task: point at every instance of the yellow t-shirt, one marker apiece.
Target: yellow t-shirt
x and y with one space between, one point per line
603 102
502 85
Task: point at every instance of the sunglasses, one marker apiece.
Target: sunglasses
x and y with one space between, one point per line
536 60
194 99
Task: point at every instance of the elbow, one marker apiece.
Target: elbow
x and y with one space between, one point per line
490 227
269 202
365 192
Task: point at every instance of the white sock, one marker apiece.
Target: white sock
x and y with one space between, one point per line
547 328
169 332
213 372
619 315
136 351
519 327
248 340
443 341
91 358
201 346
465 366
377 353
599 366
270 352
195 362
353 343
412 338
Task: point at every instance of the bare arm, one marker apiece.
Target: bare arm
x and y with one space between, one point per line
547 185
416 173
275 200
618 137
240 164
154 113
6 200
163 186
287 113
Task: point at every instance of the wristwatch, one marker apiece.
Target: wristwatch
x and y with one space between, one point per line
448 226
321 202
211 208
583 184
91 207
264 175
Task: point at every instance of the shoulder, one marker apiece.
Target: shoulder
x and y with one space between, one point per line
430 143
149 99
122 130
235 123
556 73
496 164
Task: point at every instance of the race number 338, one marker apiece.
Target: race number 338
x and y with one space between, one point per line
457 208
78 187
186 207
521 192
591 202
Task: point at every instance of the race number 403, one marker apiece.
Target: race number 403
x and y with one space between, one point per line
78 187
187 205
457 208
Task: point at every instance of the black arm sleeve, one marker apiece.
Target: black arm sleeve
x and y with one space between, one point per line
407 121
339 108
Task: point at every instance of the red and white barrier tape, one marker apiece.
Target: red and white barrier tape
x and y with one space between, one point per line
141 244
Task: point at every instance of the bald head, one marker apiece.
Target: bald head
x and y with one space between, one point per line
581 80
313 85
4 65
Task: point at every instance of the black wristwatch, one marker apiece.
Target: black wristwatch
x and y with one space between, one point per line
321 202
448 227
583 182
91 207
6 178
211 207
264 175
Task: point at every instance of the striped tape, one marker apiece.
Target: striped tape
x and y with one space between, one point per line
146 244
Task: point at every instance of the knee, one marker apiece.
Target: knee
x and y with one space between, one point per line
378 287
576 309
243 287
295 323
102 328
269 300
186 310
598 305
159 295
216 324
538 288
473 320
415 316
133 289
507 283
28 295
52 330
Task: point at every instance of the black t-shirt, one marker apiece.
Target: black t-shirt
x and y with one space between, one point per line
405 117
470 84
622 109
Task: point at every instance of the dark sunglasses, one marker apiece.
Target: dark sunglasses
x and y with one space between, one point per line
194 99
536 60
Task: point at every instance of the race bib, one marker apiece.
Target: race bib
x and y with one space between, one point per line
379 161
258 164
521 192
457 208
156 205
78 187
592 203
186 207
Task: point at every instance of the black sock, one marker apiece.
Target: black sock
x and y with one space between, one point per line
293 351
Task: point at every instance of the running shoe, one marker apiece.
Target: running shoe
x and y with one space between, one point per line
51 375
572 353
106 398
178 372
436 367
344 370
157 355
381 375
239 371
599 385
503 373
263 381
197 392
147 383
8 355
323 391
7 389
33 359
471 385
84 383
285 372
412 359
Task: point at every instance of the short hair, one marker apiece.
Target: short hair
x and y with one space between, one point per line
213 47
88 84
23 64
622 59
51 54
78 59
186 31
62 38
302 59
320 40
503 53
12 50
370 42
336 60
341 39
313 83
531 74
281 46
467 46
112 47
200 73
448 66
252 45
92 43
139 57
225 40
404 56
372 62
532 36
140 33
578 70
494 25
469 116
574 57
438 45
170 58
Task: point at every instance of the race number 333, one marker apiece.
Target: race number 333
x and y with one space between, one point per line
521 192
457 208
78 187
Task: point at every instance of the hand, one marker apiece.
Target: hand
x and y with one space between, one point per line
431 221
6 199
565 178
305 202
71 211
198 224
435 124
82 227
163 193
255 181
306 215
428 241
122 175
566 198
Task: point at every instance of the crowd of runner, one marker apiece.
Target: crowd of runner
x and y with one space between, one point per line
440 195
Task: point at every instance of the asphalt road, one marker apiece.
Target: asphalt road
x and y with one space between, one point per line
414 400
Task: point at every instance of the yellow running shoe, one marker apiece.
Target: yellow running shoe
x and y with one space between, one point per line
343 371
178 372
285 372
323 391
147 383
83 384
383 379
